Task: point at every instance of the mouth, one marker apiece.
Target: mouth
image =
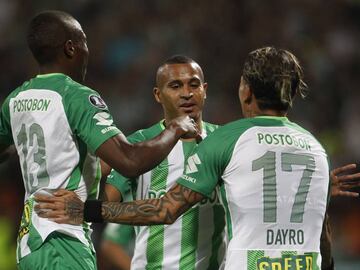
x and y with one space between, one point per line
187 105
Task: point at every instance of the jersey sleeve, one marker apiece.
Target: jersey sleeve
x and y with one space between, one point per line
120 182
89 117
206 165
5 126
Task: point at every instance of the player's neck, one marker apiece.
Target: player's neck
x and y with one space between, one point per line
268 113
55 68
253 110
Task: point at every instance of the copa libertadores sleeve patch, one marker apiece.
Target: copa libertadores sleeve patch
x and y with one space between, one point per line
97 102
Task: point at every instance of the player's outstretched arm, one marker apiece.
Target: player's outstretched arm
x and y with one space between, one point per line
66 207
341 184
132 160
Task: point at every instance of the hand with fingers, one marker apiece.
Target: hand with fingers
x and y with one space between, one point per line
63 207
187 127
342 184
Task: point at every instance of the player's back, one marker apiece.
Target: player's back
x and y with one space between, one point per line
50 118
275 193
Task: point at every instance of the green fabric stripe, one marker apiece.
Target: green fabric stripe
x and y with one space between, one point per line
315 256
189 239
227 211
190 225
252 257
93 194
34 240
155 243
75 177
86 228
217 239
60 251
155 247
159 175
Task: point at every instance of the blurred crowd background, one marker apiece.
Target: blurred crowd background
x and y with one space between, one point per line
128 39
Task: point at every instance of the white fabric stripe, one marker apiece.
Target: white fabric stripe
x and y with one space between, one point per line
138 261
172 233
24 248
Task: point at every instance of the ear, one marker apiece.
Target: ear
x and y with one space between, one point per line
248 94
205 85
157 95
69 49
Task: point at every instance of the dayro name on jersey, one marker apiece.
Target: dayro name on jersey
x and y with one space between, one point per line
33 104
284 237
282 139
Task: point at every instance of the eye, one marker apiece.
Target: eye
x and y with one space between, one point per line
174 86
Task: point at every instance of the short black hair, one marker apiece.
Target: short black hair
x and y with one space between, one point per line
47 32
275 77
179 59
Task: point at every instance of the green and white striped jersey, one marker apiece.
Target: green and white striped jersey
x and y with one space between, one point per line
56 125
196 239
274 187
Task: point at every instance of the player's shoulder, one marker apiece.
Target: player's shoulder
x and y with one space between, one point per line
229 133
147 133
16 91
224 137
234 128
74 88
77 94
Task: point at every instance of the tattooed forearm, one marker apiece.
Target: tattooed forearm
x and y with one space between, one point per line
153 211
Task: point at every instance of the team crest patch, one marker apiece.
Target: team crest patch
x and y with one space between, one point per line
97 101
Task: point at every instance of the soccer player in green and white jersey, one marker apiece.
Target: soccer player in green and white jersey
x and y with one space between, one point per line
274 177
196 239
58 127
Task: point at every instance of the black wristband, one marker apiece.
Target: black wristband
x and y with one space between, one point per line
92 211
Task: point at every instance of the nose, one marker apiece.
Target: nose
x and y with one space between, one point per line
187 92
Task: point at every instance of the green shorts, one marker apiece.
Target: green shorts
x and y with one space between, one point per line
60 252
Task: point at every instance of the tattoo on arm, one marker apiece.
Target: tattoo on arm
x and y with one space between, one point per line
152 211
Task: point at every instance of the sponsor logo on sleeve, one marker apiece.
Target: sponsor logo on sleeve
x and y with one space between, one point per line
103 119
191 164
97 102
